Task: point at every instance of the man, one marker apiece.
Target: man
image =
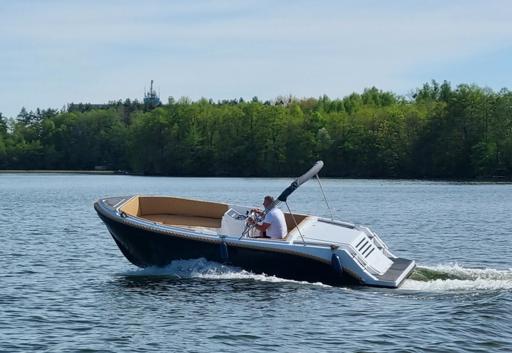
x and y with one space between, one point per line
274 223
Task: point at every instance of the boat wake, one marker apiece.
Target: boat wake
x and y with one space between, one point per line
440 278
457 278
202 268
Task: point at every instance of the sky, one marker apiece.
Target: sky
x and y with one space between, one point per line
56 52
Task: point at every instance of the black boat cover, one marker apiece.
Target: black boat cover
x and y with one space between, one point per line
300 180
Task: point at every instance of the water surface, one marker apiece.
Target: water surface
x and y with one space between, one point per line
67 288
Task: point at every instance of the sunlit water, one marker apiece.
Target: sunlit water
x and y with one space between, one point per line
65 287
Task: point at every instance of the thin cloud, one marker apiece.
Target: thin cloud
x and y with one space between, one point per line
57 52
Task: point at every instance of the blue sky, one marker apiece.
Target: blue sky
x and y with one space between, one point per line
57 52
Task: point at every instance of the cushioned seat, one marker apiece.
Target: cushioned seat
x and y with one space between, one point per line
188 213
177 211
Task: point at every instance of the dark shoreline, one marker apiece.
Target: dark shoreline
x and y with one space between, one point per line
497 179
64 171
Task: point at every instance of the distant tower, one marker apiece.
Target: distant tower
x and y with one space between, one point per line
151 99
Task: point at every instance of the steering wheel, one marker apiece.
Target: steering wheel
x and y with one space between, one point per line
255 217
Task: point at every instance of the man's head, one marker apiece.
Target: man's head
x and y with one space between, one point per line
267 201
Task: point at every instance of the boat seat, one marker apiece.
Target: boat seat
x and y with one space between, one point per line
179 220
292 228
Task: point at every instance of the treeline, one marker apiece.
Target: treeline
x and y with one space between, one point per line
438 132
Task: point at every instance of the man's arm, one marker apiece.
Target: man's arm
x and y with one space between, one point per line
263 227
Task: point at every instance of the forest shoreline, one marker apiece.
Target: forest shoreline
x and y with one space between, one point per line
439 132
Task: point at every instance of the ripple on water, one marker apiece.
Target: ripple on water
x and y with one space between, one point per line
66 287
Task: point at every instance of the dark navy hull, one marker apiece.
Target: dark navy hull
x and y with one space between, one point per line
145 247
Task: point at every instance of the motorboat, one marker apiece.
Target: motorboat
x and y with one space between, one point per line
156 230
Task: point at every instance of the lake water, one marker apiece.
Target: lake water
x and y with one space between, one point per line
65 287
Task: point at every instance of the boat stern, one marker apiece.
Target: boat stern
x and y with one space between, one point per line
397 273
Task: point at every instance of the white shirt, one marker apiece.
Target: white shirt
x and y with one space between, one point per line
277 228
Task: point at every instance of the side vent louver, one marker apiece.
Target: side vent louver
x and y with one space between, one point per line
365 247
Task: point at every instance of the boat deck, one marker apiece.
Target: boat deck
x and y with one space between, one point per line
116 201
179 220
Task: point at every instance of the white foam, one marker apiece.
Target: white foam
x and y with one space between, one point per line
463 279
460 278
202 268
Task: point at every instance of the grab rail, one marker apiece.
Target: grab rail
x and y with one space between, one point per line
377 240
